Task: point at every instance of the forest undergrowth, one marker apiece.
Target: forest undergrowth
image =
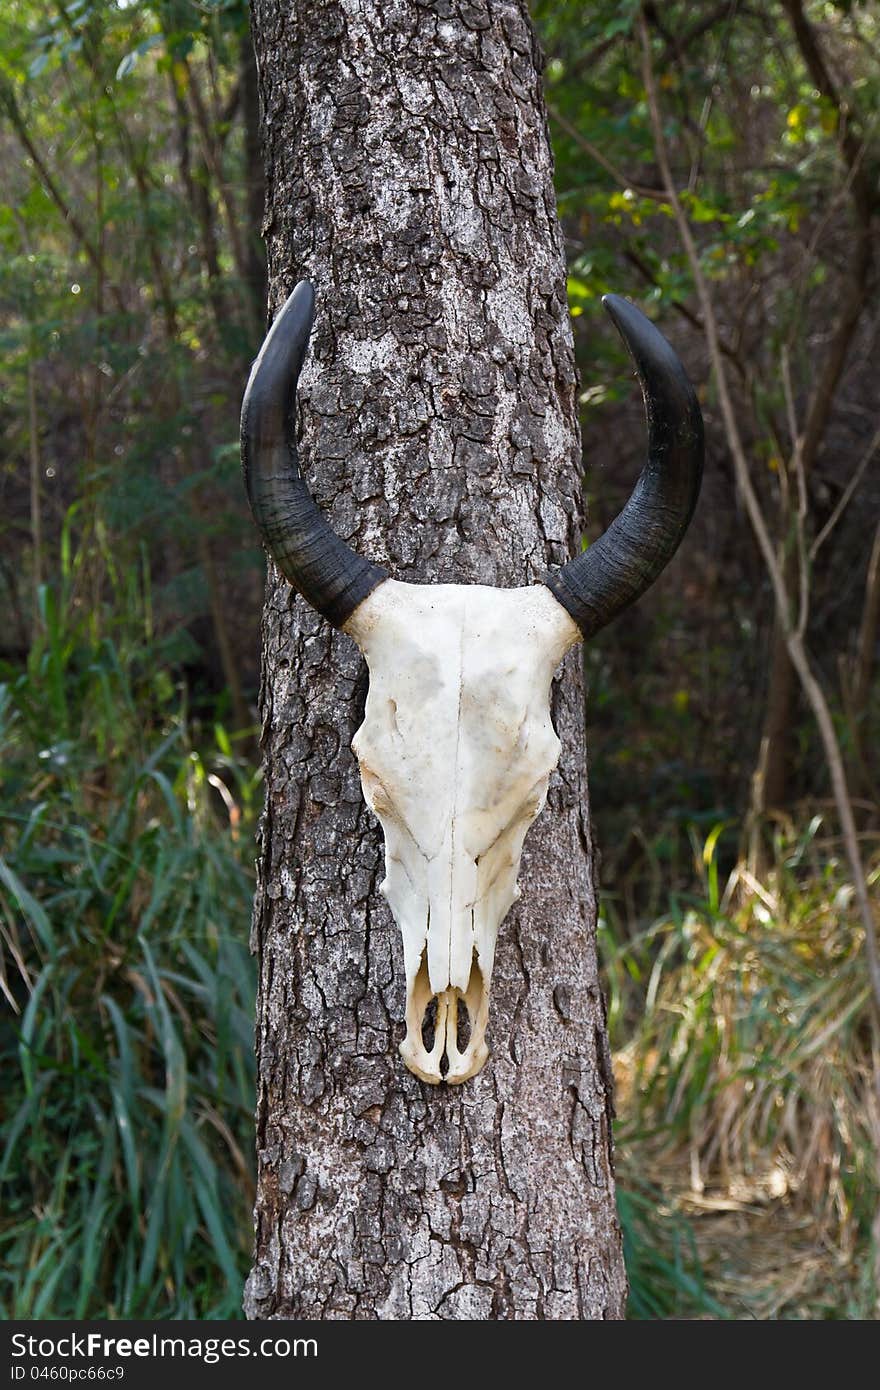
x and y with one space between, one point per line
740 1018
746 1067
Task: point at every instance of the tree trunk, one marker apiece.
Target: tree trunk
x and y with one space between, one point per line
770 780
410 178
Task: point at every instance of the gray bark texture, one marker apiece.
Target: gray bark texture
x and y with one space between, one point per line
410 178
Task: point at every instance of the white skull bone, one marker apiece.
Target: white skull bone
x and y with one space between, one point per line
455 752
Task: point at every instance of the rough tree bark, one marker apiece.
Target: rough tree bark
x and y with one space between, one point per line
409 177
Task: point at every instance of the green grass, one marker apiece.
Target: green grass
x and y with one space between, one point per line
127 1043
746 1058
663 1265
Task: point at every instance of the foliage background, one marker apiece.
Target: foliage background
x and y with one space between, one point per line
132 299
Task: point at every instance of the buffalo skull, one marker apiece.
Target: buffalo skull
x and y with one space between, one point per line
457 745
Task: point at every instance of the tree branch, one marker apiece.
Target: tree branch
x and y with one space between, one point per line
794 641
17 121
583 143
846 496
686 313
863 199
814 59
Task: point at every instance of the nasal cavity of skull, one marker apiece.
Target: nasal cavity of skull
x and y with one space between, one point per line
463 1019
429 1023
455 1006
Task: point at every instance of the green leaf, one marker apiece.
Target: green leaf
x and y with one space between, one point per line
34 914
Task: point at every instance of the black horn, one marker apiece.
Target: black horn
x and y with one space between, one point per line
628 557
328 573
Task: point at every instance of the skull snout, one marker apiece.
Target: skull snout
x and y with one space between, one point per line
446 1031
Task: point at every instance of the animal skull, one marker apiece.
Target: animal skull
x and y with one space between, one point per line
456 750
457 745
